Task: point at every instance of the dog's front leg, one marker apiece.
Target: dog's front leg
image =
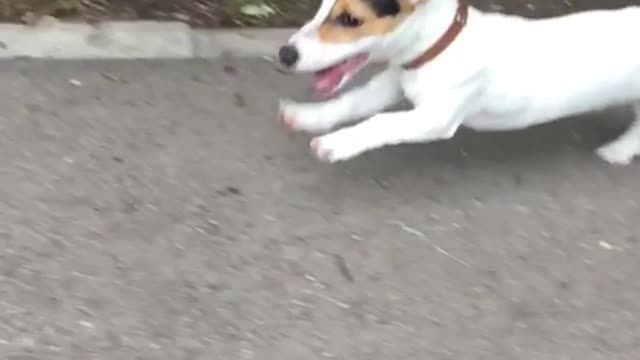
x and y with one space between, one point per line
380 92
392 128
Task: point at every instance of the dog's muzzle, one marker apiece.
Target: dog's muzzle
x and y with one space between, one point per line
288 55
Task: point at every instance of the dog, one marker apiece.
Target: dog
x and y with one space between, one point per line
458 66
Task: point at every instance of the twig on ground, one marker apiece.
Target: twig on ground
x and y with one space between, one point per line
421 235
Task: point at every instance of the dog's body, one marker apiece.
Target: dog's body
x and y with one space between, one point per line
500 73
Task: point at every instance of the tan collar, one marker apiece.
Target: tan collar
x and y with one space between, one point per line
445 40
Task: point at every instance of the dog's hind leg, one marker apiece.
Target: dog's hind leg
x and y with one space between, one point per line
622 150
381 91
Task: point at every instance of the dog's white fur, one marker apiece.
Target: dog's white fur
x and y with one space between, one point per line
501 73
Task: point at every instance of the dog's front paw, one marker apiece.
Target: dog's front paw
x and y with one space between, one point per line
288 113
307 117
334 147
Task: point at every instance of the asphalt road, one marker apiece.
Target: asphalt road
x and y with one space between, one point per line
153 210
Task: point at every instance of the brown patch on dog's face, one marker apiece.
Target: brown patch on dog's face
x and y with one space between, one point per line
351 20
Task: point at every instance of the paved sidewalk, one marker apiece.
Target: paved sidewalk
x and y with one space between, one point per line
153 210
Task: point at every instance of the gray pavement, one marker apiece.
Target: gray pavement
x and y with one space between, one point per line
153 210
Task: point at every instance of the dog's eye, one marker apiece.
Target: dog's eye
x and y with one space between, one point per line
348 20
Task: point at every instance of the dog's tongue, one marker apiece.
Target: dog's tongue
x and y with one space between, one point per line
327 80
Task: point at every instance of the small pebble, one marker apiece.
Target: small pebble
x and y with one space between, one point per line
605 245
75 82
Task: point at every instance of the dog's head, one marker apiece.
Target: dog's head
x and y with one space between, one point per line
342 38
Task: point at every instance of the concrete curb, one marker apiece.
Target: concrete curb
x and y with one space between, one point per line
238 42
134 40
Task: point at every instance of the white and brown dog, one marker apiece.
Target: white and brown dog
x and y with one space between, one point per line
459 67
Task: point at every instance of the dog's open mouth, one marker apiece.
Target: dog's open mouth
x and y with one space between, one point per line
328 81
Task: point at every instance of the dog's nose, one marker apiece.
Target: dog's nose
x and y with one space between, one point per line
288 55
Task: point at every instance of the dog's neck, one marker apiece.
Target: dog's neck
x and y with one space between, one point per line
420 31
